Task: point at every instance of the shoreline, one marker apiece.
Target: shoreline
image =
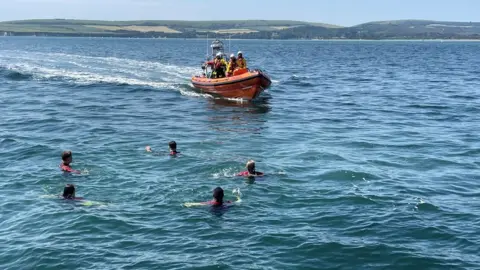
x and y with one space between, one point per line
242 39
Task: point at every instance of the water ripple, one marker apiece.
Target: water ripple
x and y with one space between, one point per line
371 156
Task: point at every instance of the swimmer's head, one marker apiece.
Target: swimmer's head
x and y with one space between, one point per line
69 191
218 195
251 166
67 157
173 146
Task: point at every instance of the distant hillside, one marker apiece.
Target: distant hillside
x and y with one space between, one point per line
187 28
417 29
262 29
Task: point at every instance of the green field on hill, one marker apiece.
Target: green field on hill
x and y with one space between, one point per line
264 29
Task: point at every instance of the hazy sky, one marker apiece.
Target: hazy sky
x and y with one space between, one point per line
342 12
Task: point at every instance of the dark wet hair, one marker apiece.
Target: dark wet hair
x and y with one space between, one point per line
173 145
66 155
218 195
69 191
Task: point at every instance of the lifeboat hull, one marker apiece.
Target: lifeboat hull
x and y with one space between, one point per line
247 86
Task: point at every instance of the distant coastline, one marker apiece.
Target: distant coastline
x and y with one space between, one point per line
259 39
248 29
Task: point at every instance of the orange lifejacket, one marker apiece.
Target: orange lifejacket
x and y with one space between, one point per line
241 62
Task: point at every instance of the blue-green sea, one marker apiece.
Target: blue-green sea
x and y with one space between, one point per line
371 151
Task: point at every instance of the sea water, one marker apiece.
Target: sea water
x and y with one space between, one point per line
371 152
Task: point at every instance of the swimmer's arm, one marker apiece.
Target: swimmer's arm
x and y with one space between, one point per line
70 170
149 149
92 203
51 196
190 204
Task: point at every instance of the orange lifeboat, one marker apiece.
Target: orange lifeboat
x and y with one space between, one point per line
244 84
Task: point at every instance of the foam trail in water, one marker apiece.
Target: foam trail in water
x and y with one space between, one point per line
83 70
85 78
191 93
114 61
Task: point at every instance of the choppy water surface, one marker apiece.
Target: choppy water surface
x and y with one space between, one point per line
371 151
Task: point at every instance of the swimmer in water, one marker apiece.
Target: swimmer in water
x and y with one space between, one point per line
217 200
250 170
66 160
171 145
69 193
173 148
218 197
